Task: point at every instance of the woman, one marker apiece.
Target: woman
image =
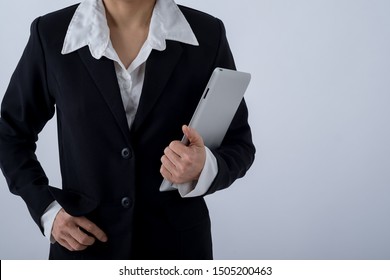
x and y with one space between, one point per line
124 76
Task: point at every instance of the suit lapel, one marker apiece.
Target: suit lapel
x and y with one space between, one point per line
104 76
159 68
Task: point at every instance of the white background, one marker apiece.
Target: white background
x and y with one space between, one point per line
319 109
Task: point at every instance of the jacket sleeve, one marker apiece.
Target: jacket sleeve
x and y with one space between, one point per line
26 107
237 151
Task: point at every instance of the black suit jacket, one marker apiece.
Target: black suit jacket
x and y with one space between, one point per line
110 173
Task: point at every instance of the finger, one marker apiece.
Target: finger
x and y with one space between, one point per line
65 244
170 171
81 237
169 176
193 136
172 156
166 174
167 163
92 229
177 147
73 244
177 166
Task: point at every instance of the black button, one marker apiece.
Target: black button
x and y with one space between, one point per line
126 153
126 202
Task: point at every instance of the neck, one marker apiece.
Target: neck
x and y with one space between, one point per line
129 13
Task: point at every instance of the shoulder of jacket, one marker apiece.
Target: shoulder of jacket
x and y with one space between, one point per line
53 26
64 14
190 12
205 26
56 21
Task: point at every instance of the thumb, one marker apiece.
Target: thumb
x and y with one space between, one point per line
193 136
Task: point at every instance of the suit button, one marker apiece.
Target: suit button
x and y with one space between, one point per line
126 202
126 154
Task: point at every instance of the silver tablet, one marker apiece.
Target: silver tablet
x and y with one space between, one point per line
216 108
